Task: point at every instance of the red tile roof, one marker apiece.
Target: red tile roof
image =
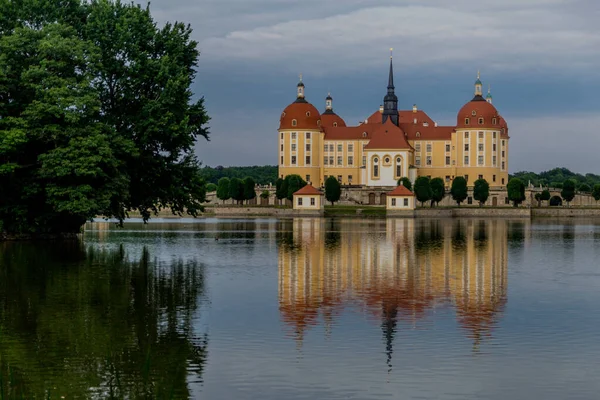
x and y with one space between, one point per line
328 119
305 114
351 132
388 136
308 189
401 191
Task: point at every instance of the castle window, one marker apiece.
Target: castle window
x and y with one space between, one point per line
494 161
466 135
418 134
364 160
281 146
340 160
376 171
293 160
493 178
325 148
307 146
394 202
299 201
405 202
480 146
480 135
375 160
350 148
428 160
447 148
480 121
364 134
467 147
340 148
494 135
282 114
308 135
294 122
308 113
293 146
480 160
473 113
318 122
281 160
447 160
307 160
467 121
293 135
387 160
466 160
398 169
335 124
494 121
350 160
331 160
418 147
398 160
429 147
281 135
312 201
418 161
325 159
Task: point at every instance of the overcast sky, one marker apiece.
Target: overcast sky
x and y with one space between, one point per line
540 57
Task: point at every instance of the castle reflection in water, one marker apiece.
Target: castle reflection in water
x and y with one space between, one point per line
394 270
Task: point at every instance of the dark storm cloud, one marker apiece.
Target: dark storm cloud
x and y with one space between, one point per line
539 55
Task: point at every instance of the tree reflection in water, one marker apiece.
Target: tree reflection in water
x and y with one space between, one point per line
83 323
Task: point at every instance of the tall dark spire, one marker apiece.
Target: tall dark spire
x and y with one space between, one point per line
390 101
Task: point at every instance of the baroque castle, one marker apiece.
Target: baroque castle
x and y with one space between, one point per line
392 143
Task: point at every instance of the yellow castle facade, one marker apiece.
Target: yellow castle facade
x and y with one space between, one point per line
391 143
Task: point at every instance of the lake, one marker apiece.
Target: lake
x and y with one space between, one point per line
305 309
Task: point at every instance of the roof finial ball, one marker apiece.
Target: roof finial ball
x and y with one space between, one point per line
391 52
300 95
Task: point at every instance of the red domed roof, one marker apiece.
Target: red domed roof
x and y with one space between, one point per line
304 113
474 111
329 118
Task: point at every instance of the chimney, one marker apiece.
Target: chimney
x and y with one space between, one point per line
435 125
381 109
414 108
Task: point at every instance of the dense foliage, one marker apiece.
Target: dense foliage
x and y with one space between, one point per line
333 190
516 191
596 192
223 189
249 188
293 183
459 190
423 189
568 191
404 181
481 191
96 115
262 175
438 190
555 177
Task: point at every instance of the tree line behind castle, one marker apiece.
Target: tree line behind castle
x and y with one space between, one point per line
425 189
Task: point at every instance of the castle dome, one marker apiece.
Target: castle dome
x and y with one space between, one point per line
300 115
478 114
331 119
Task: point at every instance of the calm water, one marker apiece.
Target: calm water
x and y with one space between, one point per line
305 309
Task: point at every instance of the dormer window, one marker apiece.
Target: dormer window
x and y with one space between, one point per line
467 121
418 134
294 122
283 114
425 123
474 113
308 113
494 121
364 134
480 121
318 122
335 124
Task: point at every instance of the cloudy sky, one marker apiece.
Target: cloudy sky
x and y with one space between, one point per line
540 57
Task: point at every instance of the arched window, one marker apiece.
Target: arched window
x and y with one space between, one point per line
467 121
335 124
308 113
494 121
474 113
480 121
364 134
375 167
294 122
318 122
418 134
398 167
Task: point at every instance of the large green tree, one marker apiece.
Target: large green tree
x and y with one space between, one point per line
404 181
293 183
422 189
333 189
596 192
568 191
481 191
223 189
249 188
516 191
459 190
96 115
438 190
280 189
236 189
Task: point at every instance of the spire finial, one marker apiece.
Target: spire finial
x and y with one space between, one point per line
478 75
300 76
489 89
391 52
